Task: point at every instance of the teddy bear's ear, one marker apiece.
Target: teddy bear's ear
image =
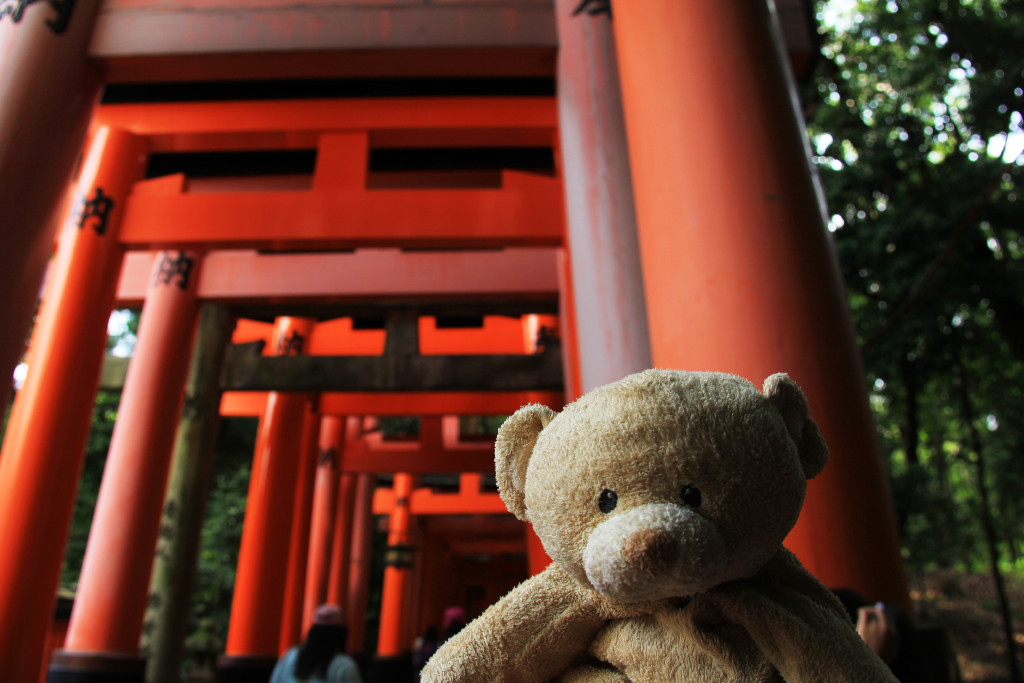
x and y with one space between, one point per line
790 401
512 452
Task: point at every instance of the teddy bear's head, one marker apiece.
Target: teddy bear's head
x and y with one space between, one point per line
665 483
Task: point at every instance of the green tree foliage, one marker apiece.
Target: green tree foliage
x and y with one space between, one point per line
917 126
915 119
222 536
124 325
103 416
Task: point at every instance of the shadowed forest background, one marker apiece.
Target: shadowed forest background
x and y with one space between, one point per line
915 116
915 119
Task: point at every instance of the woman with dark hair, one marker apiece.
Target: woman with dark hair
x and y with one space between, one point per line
321 658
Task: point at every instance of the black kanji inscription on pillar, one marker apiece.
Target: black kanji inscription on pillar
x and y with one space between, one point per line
290 345
594 8
98 207
175 267
329 458
15 9
546 337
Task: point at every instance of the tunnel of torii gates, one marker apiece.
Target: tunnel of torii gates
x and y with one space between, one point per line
659 210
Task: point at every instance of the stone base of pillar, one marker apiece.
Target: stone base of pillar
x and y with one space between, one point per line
245 668
95 667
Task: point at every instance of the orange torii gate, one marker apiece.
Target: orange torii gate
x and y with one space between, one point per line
730 247
437 449
518 209
495 334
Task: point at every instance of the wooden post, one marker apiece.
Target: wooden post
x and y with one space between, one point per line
398 564
341 542
258 602
110 603
47 92
359 561
177 550
739 272
45 441
321 526
298 549
611 314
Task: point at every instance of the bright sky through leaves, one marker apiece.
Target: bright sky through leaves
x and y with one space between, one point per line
842 14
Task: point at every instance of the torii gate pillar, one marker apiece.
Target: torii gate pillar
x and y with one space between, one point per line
325 511
394 607
607 285
47 91
103 636
257 605
738 269
44 445
341 543
359 558
292 622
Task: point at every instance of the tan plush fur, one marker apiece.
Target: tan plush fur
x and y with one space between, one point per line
663 500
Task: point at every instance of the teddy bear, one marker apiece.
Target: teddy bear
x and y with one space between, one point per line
663 500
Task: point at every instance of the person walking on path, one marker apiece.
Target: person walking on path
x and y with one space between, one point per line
321 657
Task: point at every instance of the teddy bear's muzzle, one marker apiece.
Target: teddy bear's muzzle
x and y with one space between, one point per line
649 550
638 554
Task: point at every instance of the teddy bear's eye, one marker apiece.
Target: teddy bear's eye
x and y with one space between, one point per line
607 501
691 496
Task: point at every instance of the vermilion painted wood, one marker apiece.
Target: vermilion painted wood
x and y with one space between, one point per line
341 160
252 403
147 27
292 629
257 138
498 335
538 330
394 605
113 587
248 277
420 461
359 561
49 423
325 505
611 313
338 338
526 211
247 331
570 337
47 92
437 449
341 542
738 269
446 542
172 125
427 502
537 558
256 608
389 62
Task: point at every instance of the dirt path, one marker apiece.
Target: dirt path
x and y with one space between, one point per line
966 606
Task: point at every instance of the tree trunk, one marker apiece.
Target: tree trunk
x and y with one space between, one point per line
988 527
170 596
911 414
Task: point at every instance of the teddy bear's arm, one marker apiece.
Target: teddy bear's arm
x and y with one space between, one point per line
530 635
799 625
